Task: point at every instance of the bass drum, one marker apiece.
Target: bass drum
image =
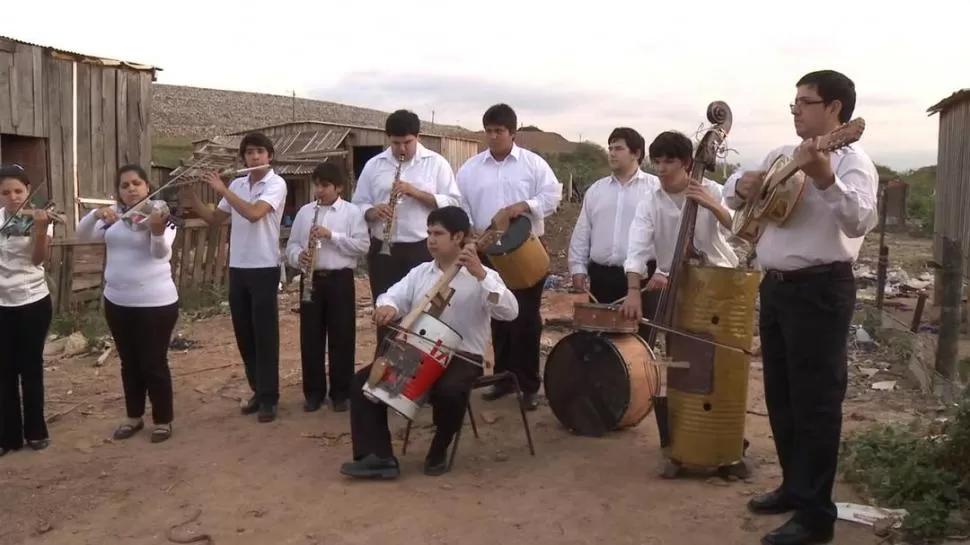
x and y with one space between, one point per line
597 383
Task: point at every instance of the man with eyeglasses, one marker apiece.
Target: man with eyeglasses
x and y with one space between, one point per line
807 301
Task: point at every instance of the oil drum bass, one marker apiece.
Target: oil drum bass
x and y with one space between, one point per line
412 363
518 256
597 383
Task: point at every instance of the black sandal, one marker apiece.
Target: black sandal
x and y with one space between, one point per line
161 433
39 444
126 431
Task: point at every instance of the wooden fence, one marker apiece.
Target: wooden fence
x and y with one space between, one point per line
200 258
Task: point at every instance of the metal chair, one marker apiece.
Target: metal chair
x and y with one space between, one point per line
482 382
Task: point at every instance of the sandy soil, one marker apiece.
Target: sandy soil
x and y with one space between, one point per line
279 483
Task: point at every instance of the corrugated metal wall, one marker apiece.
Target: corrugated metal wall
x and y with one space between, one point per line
953 181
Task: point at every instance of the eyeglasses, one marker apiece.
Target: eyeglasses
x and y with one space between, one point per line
802 102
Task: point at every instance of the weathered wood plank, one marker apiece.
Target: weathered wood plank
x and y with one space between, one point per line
40 104
145 117
135 136
109 161
6 98
22 91
85 175
55 143
65 98
121 119
101 187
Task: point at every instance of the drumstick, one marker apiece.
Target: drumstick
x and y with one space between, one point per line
649 323
621 299
587 292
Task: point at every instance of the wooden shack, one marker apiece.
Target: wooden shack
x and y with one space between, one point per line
43 91
301 145
953 175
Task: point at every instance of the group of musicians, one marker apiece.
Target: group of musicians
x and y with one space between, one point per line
621 248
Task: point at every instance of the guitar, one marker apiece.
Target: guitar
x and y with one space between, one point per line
784 185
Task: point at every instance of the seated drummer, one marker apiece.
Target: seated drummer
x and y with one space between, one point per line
480 295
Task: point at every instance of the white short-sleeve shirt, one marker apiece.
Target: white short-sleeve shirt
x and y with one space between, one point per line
256 245
21 282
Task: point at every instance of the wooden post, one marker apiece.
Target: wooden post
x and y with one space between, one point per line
883 265
918 313
569 188
951 297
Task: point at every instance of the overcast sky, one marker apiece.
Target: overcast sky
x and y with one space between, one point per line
578 71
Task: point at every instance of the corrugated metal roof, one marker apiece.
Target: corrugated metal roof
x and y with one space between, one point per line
956 98
80 57
296 154
343 125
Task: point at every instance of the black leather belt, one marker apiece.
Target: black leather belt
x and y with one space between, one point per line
327 272
809 272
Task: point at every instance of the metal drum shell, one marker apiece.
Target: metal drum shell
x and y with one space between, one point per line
620 395
602 318
707 419
519 256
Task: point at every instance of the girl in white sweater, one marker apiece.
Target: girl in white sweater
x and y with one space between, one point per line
140 300
25 315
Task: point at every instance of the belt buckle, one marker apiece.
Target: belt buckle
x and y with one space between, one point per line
777 276
323 272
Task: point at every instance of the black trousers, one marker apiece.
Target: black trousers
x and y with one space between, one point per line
142 336
804 323
385 271
23 331
608 283
449 401
329 321
516 344
253 299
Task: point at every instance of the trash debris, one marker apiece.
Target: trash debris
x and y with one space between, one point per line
884 385
870 515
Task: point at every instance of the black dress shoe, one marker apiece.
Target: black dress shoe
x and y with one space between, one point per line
267 412
312 405
435 466
340 406
372 467
795 533
530 401
39 444
250 407
496 392
772 503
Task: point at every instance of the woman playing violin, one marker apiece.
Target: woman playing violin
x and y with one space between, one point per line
140 299
25 314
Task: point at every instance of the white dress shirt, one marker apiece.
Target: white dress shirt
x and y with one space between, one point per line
469 312
427 171
137 270
826 226
21 282
488 186
654 231
348 239
603 226
256 245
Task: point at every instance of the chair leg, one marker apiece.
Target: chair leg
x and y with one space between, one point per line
471 418
454 448
407 436
525 419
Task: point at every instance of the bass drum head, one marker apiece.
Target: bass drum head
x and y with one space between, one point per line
587 384
519 231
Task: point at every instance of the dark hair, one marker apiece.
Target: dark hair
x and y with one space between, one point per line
832 85
502 115
402 123
328 173
137 169
452 218
631 138
672 145
256 140
15 171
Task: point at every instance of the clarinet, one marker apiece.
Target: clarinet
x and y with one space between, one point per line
307 270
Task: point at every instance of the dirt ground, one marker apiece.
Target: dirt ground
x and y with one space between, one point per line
278 483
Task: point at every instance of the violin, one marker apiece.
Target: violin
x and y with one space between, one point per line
21 222
136 217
